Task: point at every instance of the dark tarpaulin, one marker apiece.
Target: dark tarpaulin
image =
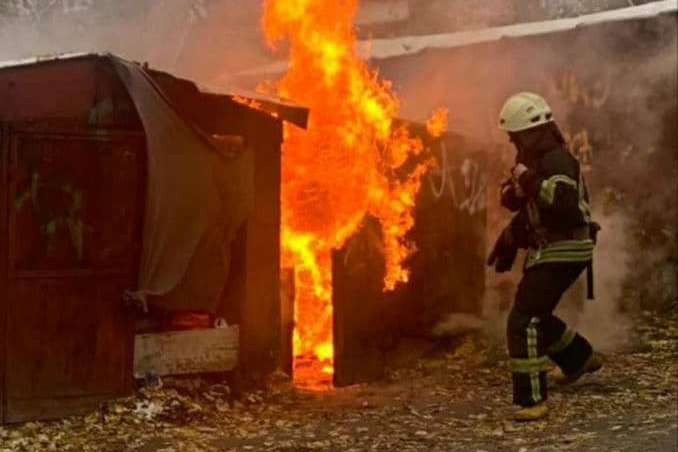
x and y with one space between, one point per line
197 197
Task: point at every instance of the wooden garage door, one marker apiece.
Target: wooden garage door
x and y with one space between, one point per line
74 212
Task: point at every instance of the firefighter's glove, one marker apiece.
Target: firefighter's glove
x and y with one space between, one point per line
504 252
510 197
518 171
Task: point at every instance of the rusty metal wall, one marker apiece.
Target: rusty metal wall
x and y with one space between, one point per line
4 152
447 270
75 205
73 159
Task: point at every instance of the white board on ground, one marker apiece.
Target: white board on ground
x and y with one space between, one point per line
186 352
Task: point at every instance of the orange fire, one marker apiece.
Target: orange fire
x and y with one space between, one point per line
436 125
340 169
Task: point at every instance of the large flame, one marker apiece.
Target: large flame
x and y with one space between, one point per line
350 162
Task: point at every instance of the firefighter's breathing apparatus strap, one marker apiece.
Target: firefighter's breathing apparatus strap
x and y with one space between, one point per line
595 228
589 281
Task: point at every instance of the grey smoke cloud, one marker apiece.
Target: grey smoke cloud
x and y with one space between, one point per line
613 89
205 40
631 66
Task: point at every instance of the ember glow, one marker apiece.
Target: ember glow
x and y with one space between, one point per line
437 123
349 163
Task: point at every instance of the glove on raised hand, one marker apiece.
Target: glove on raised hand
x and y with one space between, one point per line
504 252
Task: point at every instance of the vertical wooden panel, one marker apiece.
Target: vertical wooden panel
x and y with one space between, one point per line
4 152
363 312
73 215
287 295
260 313
66 339
446 271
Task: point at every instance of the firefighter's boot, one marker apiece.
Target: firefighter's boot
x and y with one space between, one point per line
532 413
593 364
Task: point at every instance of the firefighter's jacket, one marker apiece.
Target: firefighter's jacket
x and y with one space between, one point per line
554 215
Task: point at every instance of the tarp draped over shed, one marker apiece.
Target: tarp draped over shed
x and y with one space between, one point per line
197 197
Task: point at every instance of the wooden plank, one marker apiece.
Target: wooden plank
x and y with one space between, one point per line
186 352
260 312
363 312
287 295
4 152
446 271
68 336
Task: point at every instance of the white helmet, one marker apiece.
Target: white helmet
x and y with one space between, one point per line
524 111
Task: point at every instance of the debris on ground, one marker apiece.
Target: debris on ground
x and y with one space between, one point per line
455 399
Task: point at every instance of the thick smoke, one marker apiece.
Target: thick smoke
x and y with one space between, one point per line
142 33
602 320
613 89
205 40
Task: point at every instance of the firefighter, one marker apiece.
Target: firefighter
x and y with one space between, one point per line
553 223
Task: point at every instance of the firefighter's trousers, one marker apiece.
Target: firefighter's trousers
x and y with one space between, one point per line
535 335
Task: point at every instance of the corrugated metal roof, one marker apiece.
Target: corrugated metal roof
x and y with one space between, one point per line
410 45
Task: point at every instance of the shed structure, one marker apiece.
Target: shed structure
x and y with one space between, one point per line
121 187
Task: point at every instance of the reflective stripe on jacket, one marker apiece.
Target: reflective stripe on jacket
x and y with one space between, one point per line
558 211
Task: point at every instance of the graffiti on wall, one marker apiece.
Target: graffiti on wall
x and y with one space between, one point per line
53 223
585 97
471 197
592 94
580 146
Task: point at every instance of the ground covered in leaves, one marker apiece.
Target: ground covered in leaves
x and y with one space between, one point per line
455 398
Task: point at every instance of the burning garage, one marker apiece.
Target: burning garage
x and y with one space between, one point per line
128 191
